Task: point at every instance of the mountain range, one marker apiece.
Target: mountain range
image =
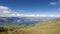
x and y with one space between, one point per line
22 20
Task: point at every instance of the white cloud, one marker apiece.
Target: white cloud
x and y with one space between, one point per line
40 15
4 9
6 12
58 9
53 3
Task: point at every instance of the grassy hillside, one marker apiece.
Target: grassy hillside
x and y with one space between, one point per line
47 27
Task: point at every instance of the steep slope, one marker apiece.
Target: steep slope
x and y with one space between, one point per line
48 27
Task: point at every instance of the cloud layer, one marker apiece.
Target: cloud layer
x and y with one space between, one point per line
6 12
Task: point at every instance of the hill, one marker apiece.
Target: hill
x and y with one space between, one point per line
47 27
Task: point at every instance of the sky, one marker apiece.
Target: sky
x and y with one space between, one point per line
30 8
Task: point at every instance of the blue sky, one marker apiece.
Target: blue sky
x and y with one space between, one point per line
32 6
